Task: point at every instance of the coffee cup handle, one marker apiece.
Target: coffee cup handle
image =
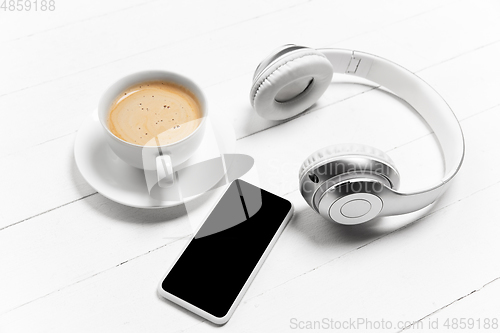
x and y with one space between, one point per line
164 171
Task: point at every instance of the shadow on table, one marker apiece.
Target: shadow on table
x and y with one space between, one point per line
122 213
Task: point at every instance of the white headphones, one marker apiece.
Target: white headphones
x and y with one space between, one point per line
353 183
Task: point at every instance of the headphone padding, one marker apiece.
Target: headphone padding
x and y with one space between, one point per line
340 149
299 64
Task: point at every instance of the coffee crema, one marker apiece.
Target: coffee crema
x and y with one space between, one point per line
154 113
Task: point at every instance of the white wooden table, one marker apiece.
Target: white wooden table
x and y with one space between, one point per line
74 261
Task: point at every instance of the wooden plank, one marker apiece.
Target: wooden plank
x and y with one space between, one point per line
409 274
96 234
78 241
124 297
40 179
83 84
64 115
85 254
63 184
322 235
24 24
467 23
478 309
467 82
148 27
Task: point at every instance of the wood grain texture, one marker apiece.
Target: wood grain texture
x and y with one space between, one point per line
72 260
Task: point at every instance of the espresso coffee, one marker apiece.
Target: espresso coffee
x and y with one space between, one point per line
154 113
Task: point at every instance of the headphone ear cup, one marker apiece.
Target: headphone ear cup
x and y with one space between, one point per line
290 84
349 152
341 182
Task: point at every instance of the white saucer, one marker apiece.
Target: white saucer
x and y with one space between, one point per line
118 181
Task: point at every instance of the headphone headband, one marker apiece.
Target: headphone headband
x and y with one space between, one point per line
313 72
424 99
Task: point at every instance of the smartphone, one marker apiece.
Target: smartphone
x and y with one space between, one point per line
215 269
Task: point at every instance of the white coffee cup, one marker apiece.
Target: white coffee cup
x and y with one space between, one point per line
164 158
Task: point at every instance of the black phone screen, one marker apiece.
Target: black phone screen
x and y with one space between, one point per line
220 258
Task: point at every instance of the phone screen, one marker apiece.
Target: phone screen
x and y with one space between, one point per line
222 255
